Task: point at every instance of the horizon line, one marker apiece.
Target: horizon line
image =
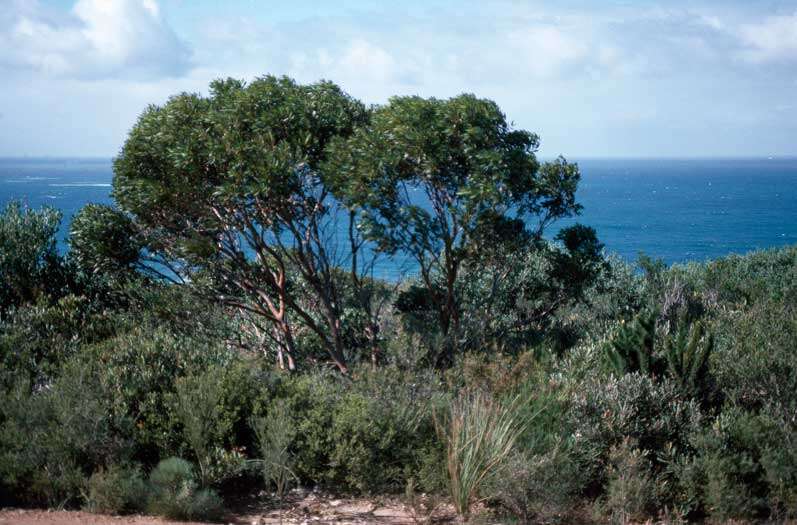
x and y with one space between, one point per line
543 157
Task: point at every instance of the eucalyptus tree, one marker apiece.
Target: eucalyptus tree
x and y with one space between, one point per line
445 182
230 187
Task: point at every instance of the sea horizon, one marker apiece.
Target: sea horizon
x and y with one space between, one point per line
675 209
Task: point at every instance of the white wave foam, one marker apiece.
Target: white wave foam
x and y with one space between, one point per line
82 185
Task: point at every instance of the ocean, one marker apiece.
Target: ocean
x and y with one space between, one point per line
678 210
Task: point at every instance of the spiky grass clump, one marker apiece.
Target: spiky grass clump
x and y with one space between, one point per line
479 434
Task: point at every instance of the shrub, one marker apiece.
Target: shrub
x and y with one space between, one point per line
198 406
365 435
728 455
541 477
52 439
30 266
38 339
631 491
479 435
755 360
758 277
604 412
618 293
536 486
176 495
779 460
687 351
745 464
142 367
275 432
116 490
103 240
57 485
632 347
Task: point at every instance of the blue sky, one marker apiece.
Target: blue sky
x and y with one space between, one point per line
593 78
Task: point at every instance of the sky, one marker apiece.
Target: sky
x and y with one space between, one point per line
593 78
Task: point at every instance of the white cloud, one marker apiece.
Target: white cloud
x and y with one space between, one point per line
96 39
626 77
358 59
369 60
545 50
772 39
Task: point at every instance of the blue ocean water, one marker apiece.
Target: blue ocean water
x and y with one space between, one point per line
66 184
678 210
682 210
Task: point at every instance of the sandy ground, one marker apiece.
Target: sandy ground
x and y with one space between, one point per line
68 517
305 509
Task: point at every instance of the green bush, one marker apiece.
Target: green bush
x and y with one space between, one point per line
779 460
537 486
604 412
617 293
211 406
103 240
52 439
631 490
30 267
367 435
744 280
198 407
745 465
728 455
142 368
116 490
37 339
175 494
541 478
632 347
275 433
755 361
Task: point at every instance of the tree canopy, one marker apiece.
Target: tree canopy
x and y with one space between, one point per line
244 192
230 185
448 181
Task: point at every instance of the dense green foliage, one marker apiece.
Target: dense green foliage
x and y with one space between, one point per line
29 263
447 183
568 383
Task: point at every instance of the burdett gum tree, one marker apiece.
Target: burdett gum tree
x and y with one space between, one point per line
443 181
242 191
229 186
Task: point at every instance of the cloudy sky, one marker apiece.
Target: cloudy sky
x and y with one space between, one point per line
594 78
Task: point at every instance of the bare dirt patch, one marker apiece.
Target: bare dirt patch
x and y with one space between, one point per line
71 517
299 508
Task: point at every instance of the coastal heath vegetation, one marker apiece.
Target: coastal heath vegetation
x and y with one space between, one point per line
226 326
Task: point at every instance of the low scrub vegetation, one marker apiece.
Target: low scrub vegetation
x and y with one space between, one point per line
204 336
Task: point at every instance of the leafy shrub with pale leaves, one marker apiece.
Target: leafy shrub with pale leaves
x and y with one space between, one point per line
607 410
52 439
631 490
